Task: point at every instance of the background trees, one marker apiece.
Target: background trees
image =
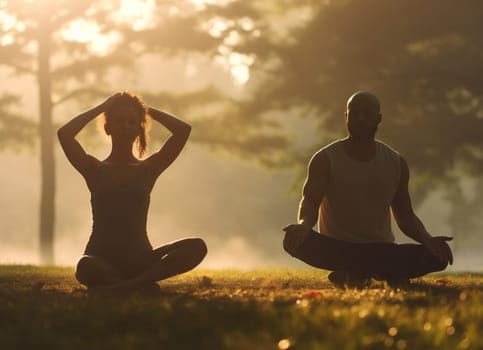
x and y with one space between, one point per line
296 62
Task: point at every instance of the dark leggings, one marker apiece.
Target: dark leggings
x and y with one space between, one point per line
379 260
168 260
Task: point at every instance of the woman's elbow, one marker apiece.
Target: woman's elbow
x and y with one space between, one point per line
64 134
186 131
188 128
61 133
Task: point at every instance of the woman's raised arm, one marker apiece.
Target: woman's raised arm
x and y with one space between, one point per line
67 133
159 161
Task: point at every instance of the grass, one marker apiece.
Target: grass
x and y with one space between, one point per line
45 308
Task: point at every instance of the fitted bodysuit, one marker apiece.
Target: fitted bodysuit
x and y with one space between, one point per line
119 213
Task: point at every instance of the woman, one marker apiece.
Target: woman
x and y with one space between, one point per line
119 253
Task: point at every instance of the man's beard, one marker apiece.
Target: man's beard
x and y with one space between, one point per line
361 132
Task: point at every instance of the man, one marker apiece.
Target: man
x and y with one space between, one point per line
354 184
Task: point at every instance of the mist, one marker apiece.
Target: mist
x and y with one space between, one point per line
238 208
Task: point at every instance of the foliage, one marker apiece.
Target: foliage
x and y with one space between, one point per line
219 120
219 124
16 130
72 60
263 309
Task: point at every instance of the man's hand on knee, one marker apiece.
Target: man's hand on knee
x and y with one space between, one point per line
438 247
295 235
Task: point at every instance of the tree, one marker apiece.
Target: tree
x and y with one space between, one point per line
33 43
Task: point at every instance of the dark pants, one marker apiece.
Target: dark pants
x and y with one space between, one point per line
379 260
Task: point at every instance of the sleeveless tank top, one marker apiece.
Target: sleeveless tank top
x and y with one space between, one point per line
356 207
119 214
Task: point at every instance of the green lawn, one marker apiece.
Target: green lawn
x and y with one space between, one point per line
45 308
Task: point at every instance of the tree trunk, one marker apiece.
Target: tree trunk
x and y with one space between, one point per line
47 192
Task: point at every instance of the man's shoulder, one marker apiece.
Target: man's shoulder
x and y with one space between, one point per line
384 146
333 145
321 157
325 150
329 149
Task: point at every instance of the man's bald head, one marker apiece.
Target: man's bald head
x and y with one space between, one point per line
363 115
364 97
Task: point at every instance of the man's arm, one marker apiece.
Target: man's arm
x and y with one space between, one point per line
411 225
313 192
314 189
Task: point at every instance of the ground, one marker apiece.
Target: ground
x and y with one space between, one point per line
45 308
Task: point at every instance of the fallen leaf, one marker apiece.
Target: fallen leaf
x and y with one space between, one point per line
443 281
312 294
